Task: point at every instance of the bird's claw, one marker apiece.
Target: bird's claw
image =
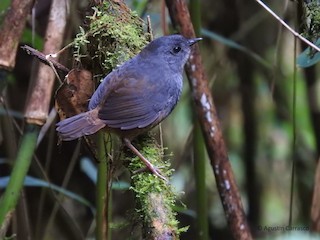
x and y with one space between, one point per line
152 169
148 164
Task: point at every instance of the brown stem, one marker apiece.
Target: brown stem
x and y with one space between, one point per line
208 118
38 104
315 207
11 31
42 57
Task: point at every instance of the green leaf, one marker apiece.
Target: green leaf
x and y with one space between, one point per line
11 113
90 170
35 182
307 58
235 45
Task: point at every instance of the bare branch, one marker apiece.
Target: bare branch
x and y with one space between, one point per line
210 125
288 27
43 58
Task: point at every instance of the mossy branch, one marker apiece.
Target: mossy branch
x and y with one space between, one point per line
155 198
113 35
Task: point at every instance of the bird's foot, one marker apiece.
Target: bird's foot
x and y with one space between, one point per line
152 169
148 164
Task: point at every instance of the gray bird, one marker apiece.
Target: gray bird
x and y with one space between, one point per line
136 96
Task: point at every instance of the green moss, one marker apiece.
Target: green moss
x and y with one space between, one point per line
114 34
313 14
312 31
154 196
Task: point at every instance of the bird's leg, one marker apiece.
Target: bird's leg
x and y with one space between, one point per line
148 164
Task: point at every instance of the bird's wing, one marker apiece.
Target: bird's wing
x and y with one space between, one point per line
133 104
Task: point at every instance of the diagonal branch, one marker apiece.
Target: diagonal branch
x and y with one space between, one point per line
306 41
43 58
208 118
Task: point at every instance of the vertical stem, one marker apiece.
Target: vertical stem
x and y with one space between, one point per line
39 102
11 31
294 137
195 14
19 171
102 224
109 205
200 179
315 207
199 149
36 111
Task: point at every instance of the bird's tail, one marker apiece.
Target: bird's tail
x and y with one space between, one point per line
86 123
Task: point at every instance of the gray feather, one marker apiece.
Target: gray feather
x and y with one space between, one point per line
79 125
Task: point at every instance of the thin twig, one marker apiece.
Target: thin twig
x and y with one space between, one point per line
44 59
288 27
150 31
56 54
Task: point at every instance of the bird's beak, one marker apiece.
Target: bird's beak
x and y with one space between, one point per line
193 41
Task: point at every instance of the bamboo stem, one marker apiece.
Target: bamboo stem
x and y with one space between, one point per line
199 159
36 112
38 105
19 171
11 31
102 208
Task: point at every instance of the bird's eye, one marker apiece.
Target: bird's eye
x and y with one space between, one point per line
176 49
